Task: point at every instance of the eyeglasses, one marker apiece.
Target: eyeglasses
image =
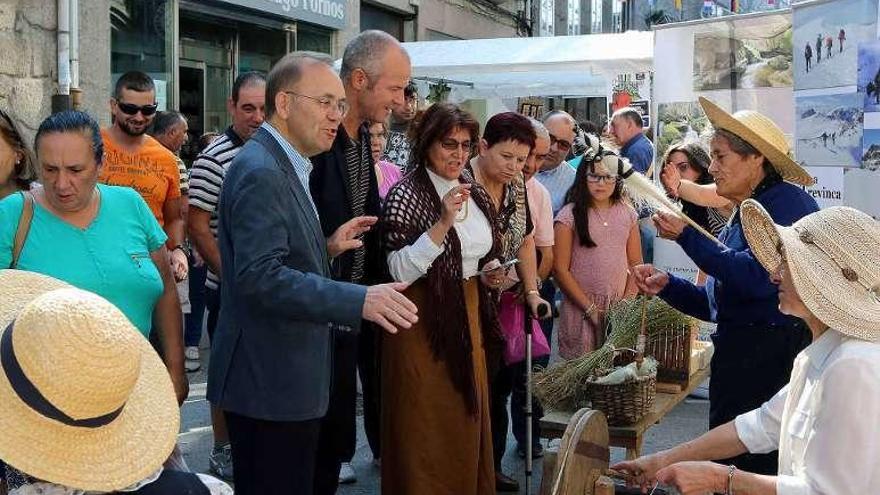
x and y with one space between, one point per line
561 143
453 145
132 109
596 178
327 103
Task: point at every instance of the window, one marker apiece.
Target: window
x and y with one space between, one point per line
596 16
259 49
383 20
574 17
313 38
616 16
547 13
140 39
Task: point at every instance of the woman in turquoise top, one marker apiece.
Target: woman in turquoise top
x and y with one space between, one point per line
103 239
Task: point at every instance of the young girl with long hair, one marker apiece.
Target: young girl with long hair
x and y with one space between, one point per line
597 240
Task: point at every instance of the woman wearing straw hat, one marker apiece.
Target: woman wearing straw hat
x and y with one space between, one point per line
85 403
824 422
755 344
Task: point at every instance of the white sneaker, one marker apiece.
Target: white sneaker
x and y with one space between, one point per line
347 474
191 353
192 362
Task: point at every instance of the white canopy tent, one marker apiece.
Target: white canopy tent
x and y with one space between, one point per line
517 67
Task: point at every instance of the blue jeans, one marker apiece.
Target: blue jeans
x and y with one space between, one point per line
192 321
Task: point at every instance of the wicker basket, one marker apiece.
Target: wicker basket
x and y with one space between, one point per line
624 403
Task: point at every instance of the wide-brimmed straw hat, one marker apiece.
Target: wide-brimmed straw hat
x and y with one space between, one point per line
85 402
760 132
833 256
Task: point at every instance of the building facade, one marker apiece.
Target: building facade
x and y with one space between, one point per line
194 49
29 65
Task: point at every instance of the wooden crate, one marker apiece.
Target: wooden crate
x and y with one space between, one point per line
672 350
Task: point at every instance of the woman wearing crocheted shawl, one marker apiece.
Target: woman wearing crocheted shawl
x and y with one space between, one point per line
438 232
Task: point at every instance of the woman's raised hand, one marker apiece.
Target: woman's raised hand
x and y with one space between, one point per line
453 202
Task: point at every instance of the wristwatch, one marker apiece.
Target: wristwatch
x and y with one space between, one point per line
182 249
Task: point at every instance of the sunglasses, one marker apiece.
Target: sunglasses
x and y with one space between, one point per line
131 109
453 145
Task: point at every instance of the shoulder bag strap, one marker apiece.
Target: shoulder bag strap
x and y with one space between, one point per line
24 226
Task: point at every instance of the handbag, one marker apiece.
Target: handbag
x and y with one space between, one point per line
24 226
511 317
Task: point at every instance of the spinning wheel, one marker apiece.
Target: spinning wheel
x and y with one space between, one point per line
582 459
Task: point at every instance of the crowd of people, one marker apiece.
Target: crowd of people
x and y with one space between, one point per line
337 231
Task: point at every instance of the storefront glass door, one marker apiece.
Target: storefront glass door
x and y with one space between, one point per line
208 48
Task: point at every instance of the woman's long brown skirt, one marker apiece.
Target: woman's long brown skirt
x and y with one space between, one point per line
431 444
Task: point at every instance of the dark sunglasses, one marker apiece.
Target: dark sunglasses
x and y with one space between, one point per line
131 109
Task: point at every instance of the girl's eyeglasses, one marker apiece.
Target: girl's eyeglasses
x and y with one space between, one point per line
596 178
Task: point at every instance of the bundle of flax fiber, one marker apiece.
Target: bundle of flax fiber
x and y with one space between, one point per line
561 386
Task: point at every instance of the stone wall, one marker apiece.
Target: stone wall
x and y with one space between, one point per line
29 67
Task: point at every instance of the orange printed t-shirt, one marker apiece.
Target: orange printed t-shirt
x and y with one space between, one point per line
151 171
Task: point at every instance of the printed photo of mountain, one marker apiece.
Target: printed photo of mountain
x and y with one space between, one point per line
871 149
826 40
740 63
869 75
829 130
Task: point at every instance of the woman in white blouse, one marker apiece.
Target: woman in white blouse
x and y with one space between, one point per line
438 233
825 421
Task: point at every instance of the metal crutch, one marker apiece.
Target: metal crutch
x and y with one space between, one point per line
543 310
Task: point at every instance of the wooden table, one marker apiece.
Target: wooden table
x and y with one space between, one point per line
553 423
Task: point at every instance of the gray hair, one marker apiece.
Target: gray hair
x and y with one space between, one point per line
164 121
541 132
742 148
365 52
630 114
288 71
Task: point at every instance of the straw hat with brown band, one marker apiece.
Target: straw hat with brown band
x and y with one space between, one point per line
759 131
85 402
833 256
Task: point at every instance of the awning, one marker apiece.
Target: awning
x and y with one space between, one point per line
513 67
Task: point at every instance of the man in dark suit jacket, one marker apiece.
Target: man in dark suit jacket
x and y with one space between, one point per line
375 71
271 365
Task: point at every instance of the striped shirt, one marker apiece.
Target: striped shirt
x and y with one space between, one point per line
184 176
206 179
358 162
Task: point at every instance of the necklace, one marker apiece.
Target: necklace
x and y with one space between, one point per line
601 217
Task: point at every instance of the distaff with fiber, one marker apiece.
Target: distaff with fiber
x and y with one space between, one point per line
827 268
